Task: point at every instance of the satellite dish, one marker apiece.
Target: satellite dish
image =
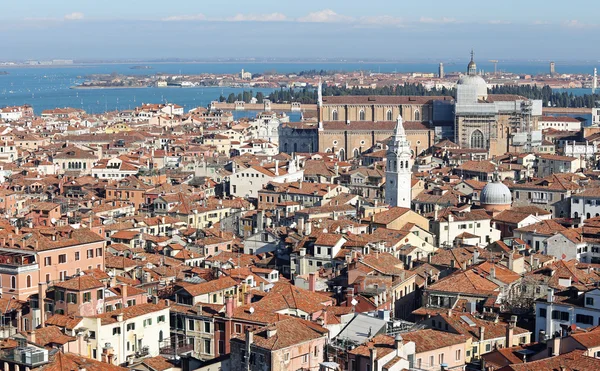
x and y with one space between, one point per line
251 310
53 220
354 302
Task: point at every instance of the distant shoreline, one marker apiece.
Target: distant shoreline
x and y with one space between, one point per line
447 62
107 87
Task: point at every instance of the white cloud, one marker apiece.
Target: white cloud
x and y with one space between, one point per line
325 16
187 17
272 17
499 21
443 20
540 23
75 16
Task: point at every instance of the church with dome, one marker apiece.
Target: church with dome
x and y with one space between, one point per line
351 125
498 123
495 196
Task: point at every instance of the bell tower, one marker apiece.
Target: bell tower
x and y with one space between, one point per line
320 104
398 172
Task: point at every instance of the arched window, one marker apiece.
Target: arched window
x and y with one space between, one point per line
334 115
477 139
28 281
417 115
361 115
285 147
588 216
13 282
576 215
342 154
160 336
356 153
295 147
388 115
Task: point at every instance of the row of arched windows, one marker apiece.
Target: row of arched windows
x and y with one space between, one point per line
389 115
13 282
75 165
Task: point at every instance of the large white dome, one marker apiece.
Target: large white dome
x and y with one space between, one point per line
478 82
495 193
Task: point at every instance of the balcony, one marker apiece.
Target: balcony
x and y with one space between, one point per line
539 200
14 262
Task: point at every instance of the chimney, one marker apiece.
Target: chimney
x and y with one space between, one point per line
276 167
510 329
229 307
429 258
373 354
272 331
556 346
349 296
308 228
42 299
124 291
511 261
481 334
301 226
324 318
493 271
248 298
249 341
452 263
312 282
399 344
32 336
376 300
550 295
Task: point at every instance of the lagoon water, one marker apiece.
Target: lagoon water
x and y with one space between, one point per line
50 87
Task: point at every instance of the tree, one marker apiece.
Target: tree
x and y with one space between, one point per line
231 98
260 97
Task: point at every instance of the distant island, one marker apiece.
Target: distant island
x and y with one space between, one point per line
140 67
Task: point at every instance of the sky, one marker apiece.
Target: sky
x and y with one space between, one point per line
374 29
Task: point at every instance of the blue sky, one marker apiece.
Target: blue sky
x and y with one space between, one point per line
426 29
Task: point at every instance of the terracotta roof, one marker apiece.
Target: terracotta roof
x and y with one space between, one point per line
467 282
286 333
428 339
219 284
80 283
158 363
545 227
68 361
572 361
46 336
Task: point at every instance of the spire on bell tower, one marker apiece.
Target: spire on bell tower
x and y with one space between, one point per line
399 133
